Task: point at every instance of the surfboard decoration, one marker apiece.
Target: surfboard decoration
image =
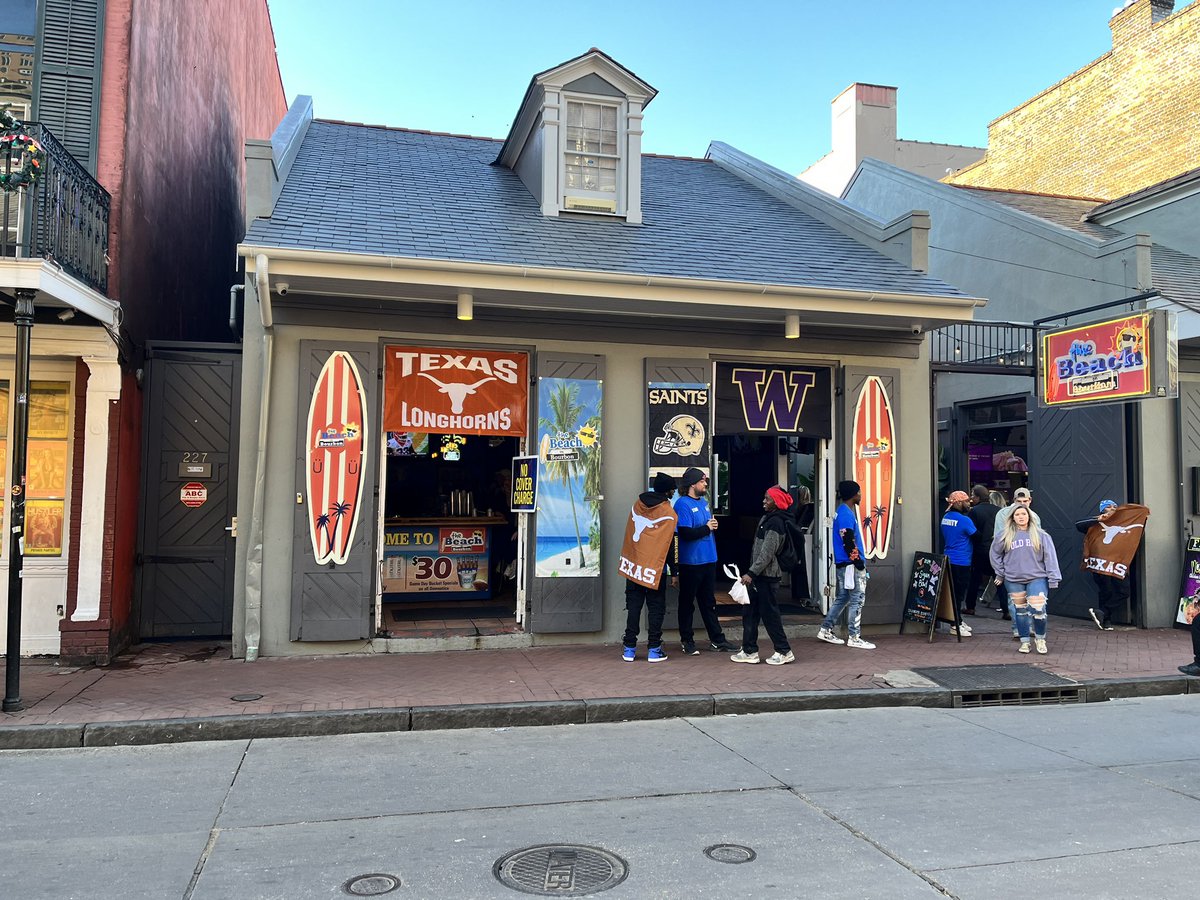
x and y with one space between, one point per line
875 465
337 457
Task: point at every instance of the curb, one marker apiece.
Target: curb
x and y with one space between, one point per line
512 715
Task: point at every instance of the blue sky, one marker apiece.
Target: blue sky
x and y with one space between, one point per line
758 75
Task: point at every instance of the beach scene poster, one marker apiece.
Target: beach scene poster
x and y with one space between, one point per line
568 504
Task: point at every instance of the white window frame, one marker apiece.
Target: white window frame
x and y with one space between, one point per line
621 180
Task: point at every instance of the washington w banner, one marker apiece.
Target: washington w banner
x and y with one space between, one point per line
758 398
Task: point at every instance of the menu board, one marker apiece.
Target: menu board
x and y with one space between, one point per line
929 599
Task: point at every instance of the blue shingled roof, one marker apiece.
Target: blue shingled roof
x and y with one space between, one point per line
363 189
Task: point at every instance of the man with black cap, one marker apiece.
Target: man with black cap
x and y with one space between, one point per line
648 549
697 563
851 569
761 580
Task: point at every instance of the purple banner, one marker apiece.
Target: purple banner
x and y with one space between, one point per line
757 398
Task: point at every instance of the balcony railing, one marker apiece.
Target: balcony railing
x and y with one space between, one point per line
984 347
64 217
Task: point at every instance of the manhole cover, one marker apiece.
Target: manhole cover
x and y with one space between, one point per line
730 853
992 678
560 870
372 885
246 698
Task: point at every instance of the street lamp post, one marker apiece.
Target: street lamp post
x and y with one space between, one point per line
23 319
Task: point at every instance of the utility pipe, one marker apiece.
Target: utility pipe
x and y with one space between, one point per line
234 290
254 557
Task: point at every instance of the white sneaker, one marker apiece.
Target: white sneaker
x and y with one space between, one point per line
778 659
1040 643
964 630
858 642
1024 648
829 637
743 656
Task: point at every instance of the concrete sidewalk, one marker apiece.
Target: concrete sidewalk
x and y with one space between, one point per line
183 691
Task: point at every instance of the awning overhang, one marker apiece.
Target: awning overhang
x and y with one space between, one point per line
57 289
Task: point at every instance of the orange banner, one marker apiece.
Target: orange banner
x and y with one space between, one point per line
459 391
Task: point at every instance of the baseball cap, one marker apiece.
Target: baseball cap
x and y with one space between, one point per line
1022 493
1105 504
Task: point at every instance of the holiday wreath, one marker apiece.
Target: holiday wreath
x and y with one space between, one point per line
26 156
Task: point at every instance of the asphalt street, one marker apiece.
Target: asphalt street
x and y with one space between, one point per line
1089 801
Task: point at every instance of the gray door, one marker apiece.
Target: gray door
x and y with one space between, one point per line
185 550
567 602
331 601
1189 417
1077 459
885 590
676 371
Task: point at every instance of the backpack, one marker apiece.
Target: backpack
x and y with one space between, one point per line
788 554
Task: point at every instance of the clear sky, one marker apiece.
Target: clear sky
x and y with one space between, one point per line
759 74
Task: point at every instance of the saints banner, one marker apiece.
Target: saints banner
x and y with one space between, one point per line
758 398
678 426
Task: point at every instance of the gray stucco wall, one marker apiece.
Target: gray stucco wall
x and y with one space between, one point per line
624 442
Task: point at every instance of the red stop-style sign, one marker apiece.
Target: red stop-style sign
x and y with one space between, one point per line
193 494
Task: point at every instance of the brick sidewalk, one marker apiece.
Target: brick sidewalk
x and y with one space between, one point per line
165 681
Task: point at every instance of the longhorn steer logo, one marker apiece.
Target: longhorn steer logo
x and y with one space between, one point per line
457 392
1111 531
641 523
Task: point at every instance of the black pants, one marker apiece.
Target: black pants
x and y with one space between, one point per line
981 574
960 581
637 595
696 589
763 608
1113 594
1196 639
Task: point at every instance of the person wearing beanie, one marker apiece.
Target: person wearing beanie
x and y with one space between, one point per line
649 548
697 563
957 533
761 580
848 558
1108 554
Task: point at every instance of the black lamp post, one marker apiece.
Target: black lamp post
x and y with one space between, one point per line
23 320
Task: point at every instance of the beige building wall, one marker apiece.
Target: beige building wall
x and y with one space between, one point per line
864 126
1122 123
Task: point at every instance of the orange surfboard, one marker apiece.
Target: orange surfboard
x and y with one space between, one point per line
337 455
875 465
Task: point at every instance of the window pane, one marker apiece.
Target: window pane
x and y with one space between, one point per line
574 114
591 115
46 467
608 119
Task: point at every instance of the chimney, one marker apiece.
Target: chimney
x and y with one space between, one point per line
1131 21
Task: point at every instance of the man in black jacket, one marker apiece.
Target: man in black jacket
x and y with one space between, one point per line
983 516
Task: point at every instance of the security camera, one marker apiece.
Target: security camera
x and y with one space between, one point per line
282 288
916 329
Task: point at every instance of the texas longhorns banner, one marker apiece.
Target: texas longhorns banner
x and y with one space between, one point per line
444 389
756 398
1109 546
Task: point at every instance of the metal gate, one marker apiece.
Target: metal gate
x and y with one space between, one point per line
1078 460
189 492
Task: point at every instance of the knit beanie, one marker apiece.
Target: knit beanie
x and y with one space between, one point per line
690 477
664 484
847 490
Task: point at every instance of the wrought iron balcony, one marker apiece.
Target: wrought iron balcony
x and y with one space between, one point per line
63 217
984 347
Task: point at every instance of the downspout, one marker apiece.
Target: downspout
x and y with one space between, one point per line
233 317
254 558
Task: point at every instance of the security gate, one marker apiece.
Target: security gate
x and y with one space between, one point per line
189 492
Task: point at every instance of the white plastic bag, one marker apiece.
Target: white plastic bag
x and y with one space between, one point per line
737 591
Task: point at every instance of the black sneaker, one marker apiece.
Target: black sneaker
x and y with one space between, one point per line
725 647
1192 669
689 649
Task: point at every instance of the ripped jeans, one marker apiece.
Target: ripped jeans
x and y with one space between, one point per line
1029 603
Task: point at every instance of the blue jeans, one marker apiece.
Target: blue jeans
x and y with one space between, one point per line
1024 614
848 598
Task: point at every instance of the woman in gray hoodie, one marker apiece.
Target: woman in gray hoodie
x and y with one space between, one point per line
1024 561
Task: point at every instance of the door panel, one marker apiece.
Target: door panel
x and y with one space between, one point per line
566 601
185 578
332 601
1077 459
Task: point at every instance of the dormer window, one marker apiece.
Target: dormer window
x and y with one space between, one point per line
592 158
576 142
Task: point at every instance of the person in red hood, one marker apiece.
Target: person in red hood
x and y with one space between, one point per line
761 581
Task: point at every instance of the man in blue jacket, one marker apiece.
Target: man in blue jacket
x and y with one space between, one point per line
848 556
697 564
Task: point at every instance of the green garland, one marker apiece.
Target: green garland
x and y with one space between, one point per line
27 154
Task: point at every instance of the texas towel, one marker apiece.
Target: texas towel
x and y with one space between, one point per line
1109 546
649 534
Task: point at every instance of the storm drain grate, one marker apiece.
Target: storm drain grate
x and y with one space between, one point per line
1006 685
374 885
560 870
730 853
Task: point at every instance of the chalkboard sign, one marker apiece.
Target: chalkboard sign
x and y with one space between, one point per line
929 599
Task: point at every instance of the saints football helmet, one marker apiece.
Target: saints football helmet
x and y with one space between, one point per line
683 435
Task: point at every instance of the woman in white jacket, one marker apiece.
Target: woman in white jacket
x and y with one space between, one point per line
1025 562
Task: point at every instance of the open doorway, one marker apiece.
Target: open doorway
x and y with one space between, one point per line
747 464
449 549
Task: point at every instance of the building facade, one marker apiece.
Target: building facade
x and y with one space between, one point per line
450 312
